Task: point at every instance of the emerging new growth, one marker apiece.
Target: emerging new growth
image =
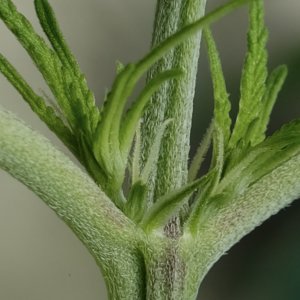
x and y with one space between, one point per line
153 232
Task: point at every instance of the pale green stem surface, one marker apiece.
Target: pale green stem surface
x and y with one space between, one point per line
106 232
226 223
175 99
136 266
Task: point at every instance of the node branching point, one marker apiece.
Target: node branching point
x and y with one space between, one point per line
154 227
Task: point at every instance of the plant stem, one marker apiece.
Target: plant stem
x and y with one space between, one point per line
175 99
110 237
166 270
171 271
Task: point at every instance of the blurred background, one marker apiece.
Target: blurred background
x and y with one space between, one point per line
40 258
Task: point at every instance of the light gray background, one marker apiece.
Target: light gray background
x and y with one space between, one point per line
40 258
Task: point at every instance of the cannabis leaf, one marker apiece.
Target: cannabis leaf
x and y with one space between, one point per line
242 155
38 105
101 137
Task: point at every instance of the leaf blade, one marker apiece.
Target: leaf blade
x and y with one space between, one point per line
163 209
254 76
50 26
222 104
273 86
38 105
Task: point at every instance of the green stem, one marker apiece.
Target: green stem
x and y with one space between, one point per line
175 99
171 271
223 224
110 237
165 271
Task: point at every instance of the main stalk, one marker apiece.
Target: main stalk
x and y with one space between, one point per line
167 270
175 99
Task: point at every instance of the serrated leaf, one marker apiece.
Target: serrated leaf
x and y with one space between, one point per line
68 85
273 86
254 76
45 58
263 158
50 26
260 161
85 103
52 64
282 145
38 105
222 104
